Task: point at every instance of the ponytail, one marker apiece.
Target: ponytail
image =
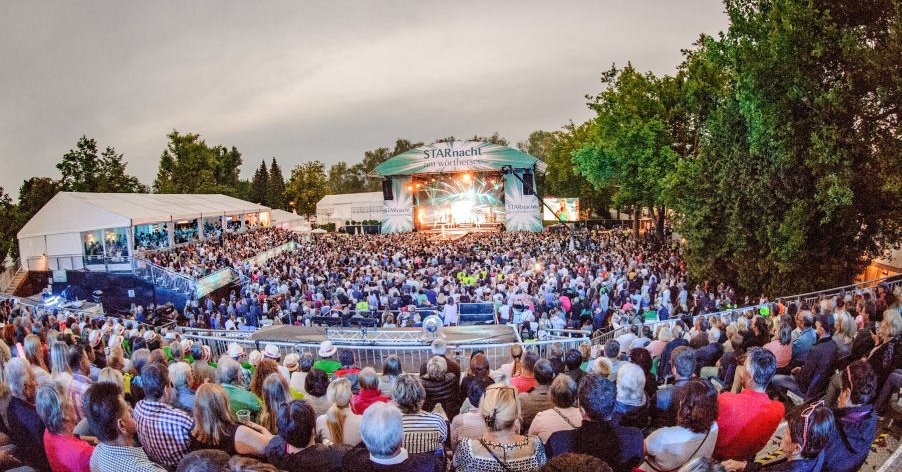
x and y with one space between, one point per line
335 421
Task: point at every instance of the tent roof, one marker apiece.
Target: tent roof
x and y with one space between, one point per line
346 198
281 216
69 212
456 156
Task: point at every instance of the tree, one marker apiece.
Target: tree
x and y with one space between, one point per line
633 150
33 195
260 185
189 165
307 186
275 187
83 170
9 226
342 179
796 182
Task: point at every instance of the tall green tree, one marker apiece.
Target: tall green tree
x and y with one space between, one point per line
307 186
260 185
275 187
83 169
190 165
634 148
9 226
342 179
797 179
33 195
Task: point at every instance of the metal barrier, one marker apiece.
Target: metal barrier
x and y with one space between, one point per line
165 278
809 298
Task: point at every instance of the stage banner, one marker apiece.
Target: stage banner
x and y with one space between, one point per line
523 212
397 214
455 156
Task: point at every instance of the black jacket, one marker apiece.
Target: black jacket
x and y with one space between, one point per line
619 446
445 392
316 458
815 373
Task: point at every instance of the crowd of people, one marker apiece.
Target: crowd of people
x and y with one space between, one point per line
706 394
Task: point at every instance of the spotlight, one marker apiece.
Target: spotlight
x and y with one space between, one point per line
410 188
466 178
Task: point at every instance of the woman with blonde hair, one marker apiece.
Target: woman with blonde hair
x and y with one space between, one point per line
34 354
5 356
275 394
59 365
215 429
515 367
339 425
500 447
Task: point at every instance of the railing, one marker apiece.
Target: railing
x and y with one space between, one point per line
165 278
809 298
214 281
411 355
9 274
79 262
80 314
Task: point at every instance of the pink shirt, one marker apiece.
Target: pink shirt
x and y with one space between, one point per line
781 352
67 454
524 384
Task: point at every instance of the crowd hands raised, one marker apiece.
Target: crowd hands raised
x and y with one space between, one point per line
705 395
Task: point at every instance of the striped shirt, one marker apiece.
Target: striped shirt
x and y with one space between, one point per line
164 431
424 432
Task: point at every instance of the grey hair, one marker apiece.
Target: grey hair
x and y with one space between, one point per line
408 393
439 347
368 379
18 372
305 363
556 351
630 384
563 391
179 373
53 406
436 368
113 376
228 371
382 428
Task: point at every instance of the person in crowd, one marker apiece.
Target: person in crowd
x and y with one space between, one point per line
477 371
747 420
563 415
844 333
694 435
316 384
325 362
682 369
272 352
538 398
349 368
262 370
469 424
642 358
804 339
599 435
809 432
500 445
230 375
340 425
442 388
304 361
59 366
22 416
369 391
665 369
182 377
204 460
811 379
423 431
214 427
202 370
294 449
527 379
391 369
631 407
571 462
383 432
164 431
440 348
110 421
573 361
781 345
81 370
65 452
34 354
656 346
515 367
855 420
275 394
612 353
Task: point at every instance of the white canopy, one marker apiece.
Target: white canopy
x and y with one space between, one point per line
70 212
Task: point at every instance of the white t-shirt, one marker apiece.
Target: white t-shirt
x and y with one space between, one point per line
671 447
351 428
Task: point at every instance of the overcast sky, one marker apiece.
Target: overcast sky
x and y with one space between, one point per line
312 80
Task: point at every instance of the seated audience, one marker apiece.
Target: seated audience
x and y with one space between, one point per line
340 425
500 445
325 362
781 346
65 452
276 393
599 435
391 369
348 368
442 388
470 424
230 376
571 462
423 431
631 407
440 349
563 414
214 427
164 431
527 379
316 384
382 430
694 435
294 449
25 426
573 361
537 398
811 379
182 378
683 367
855 420
369 391
110 421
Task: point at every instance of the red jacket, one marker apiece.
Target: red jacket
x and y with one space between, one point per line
365 398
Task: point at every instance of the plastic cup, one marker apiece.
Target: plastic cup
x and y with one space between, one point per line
244 416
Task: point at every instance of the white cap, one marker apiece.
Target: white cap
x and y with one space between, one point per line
326 349
272 352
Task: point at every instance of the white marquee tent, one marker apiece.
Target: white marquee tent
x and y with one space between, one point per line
57 236
349 206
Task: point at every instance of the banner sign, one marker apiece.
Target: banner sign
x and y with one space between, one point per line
522 211
455 156
397 214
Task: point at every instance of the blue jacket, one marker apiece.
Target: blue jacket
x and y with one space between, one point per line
856 428
802 345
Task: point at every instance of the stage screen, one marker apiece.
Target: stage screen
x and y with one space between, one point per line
459 198
565 208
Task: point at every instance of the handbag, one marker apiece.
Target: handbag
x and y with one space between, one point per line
691 456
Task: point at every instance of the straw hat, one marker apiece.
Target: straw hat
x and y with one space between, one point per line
326 349
272 352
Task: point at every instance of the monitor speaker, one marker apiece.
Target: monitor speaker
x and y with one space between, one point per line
387 192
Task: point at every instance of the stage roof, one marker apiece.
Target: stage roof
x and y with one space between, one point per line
457 156
69 212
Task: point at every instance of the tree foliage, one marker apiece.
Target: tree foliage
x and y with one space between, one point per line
189 165
307 186
275 187
9 226
84 170
260 184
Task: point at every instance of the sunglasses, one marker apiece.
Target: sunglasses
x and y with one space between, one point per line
805 415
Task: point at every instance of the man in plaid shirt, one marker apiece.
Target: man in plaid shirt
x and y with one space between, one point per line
109 417
164 431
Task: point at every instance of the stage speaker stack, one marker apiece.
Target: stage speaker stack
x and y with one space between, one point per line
527 183
387 192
